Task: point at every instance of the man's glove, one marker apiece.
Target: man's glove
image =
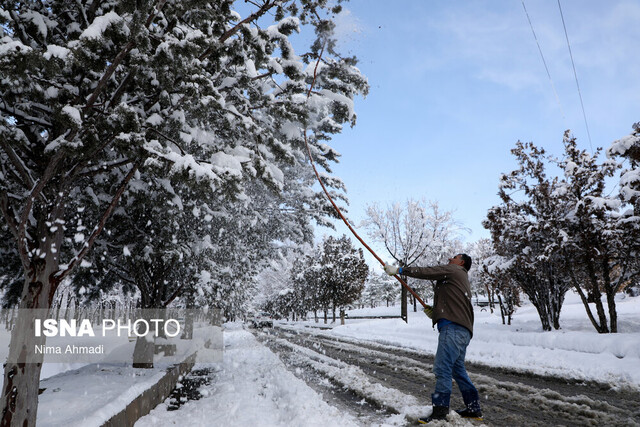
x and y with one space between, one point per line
391 270
428 310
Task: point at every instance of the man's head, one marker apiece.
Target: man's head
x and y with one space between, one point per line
463 260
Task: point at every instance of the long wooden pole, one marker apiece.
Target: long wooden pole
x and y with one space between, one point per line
326 192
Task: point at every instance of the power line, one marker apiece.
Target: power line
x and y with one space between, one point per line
575 75
543 60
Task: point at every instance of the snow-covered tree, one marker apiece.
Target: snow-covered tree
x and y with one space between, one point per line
277 275
494 273
412 232
329 279
95 93
481 283
344 272
286 288
628 150
571 228
525 231
598 250
379 289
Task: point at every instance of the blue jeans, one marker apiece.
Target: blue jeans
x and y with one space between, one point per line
449 364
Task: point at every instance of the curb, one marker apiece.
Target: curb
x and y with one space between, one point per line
152 397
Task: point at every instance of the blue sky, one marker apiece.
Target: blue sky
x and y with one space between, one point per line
455 84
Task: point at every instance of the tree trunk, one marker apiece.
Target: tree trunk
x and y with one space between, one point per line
613 313
597 297
544 316
489 298
502 310
187 334
22 370
510 307
145 345
585 302
143 352
610 289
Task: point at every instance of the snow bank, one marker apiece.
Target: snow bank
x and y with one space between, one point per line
252 387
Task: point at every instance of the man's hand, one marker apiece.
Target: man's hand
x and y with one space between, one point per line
391 270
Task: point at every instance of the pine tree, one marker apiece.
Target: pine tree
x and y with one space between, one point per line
94 93
343 272
379 289
628 148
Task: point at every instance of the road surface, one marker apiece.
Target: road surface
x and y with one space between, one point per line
375 381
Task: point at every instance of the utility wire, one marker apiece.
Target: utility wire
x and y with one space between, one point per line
543 60
575 75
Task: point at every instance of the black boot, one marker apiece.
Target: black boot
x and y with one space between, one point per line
472 403
468 413
439 413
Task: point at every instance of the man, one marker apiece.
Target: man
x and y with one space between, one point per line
453 313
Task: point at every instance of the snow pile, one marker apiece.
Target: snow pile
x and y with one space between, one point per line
92 394
251 387
82 394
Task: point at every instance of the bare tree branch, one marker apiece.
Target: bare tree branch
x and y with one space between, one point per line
103 168
168 138
24 116
20 28
175 294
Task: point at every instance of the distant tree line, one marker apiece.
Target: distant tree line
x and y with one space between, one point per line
324 281
380 290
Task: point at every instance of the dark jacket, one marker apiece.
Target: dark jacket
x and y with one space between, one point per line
452 293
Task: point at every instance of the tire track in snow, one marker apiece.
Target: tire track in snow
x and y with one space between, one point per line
408 407
510 398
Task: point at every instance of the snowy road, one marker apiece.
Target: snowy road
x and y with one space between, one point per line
377 380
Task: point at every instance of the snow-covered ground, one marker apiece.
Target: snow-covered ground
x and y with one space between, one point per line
575 351
252 386
89 394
